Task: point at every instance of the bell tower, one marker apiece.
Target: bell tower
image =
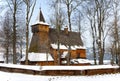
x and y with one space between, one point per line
40 39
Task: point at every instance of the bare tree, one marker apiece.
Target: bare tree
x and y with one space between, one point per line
30 4
101 14
14 7
21 41
98 15
71 6
57 22
91 12
5 34
59 14
115 31
79 17
21 36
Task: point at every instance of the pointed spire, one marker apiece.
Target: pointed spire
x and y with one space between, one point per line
41 17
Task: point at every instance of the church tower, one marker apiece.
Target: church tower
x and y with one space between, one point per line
40 39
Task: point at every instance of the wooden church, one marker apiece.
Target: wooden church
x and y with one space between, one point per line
43 48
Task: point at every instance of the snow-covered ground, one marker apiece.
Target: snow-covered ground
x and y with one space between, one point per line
4 76
106 62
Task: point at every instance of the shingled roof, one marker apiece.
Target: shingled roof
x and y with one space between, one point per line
72 38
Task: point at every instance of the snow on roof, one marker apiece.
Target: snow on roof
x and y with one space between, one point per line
40 22
78 61
80 47
64 54
73 48
55 46
40 19
38 57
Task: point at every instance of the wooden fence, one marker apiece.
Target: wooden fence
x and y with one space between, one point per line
60 72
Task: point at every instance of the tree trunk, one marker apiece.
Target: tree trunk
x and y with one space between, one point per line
7 44
14 34
94 51
58 25
69 23
100 52
100 21
27 36
7 52
94 39
59 56
21 48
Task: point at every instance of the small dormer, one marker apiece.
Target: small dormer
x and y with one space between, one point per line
40 25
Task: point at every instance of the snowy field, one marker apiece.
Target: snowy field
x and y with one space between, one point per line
4 76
